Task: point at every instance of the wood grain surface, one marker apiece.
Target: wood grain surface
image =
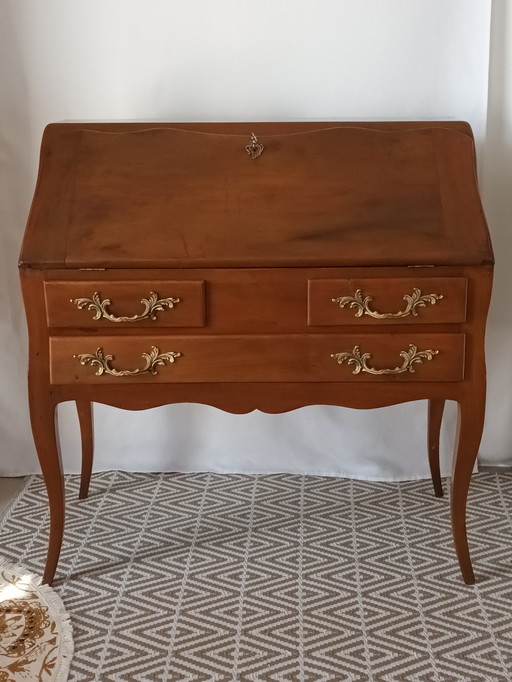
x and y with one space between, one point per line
168 196
256 358
256 249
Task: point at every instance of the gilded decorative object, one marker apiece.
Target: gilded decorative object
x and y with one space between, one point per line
362 304
359 360
152 305
152 360
255 148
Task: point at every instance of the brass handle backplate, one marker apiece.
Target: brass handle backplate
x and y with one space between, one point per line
360 360
152 305
151 361
362 304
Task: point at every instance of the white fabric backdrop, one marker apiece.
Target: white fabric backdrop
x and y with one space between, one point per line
231 60
496 175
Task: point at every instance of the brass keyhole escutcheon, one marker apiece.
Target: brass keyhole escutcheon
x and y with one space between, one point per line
255 148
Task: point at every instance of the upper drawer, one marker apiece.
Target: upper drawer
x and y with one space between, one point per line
383 301
125 304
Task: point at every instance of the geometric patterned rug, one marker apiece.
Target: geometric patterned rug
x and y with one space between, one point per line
214 577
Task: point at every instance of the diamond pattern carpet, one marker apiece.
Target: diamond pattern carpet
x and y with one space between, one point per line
277 577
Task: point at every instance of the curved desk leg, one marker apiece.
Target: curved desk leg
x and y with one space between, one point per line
471 413
43 419
84 409
435 416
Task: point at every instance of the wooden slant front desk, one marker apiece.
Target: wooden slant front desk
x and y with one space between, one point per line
257 266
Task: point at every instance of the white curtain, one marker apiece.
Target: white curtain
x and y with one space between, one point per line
235 60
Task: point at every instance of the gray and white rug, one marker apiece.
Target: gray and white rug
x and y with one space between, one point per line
278 577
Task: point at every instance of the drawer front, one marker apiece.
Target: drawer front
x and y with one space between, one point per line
259 358
387 301
93 304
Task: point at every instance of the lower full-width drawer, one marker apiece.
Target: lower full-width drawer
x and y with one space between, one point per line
259 358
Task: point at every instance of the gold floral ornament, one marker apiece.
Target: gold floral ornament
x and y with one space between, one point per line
152 305
152 360
30 620
411 357
361 304
35 632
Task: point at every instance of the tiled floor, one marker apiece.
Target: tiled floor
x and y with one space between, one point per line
9 488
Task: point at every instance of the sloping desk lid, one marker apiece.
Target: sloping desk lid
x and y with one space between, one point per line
167 195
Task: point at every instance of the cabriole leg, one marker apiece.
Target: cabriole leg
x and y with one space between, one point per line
471 413
43 420
84 409
435 416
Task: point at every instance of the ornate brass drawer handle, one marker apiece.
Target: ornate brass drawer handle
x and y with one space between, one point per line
152 360
359 360
362 304
152 305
